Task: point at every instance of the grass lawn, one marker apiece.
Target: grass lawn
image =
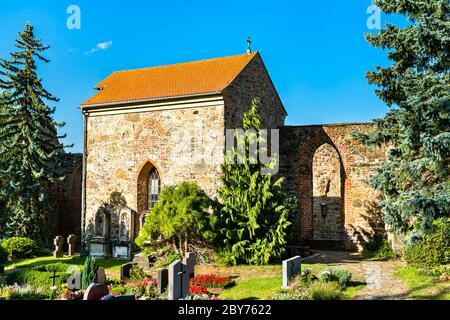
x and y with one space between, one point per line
422 286
263 282
109 265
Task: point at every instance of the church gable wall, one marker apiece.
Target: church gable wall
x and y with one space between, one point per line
253 81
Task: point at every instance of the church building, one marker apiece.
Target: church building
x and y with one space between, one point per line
148 128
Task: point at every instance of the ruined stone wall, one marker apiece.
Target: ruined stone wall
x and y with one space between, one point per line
183 144
298 146
253 81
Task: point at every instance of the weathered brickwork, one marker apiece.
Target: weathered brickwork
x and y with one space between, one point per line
358 200
66 198
184 139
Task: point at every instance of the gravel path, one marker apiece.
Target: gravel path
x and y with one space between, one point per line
381 283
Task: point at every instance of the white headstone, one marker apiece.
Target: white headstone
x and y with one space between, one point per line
291 267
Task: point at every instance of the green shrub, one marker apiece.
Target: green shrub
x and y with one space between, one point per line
21 248
178 219
52 267
432 249
379 248
166 260
323 291
89 274
338 275
35 278
137 272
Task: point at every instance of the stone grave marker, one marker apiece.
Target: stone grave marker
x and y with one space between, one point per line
95 292
101 275
291 267
71 241
190 260
74 281
58 242
163 280
175 271
125 270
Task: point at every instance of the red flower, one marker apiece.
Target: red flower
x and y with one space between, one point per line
198 290
210 280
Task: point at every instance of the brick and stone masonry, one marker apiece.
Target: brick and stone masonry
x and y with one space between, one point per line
323 166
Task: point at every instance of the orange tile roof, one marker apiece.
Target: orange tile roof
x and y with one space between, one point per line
171 81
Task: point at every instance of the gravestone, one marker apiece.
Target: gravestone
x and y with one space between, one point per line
101 275
163 280
125 270
291 267
71 241
74 281
95 292
144 260
58 242
190 261
175 272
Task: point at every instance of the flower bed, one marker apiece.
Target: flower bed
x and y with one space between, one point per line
212 281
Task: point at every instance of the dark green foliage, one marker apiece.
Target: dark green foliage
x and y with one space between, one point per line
89 274
378 247
53 267
415 180
21 248
255 213
339 275
3 255
28 142
432 249
35 278
179 219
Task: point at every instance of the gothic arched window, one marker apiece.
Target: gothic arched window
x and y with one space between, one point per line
154 188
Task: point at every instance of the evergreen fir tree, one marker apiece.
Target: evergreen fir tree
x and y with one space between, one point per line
28 139
415 180
255 213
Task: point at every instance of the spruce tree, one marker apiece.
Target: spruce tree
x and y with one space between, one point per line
415 179
29 141
255 213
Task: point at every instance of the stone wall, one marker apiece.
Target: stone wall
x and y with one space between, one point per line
253 81
183 144
298 146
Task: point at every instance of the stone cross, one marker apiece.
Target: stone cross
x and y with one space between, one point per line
58 242
190 261
54 278
291 267
71 242
178 281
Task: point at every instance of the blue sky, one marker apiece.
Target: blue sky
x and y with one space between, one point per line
314 50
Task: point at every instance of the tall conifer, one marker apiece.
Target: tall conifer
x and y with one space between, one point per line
28 139
415 180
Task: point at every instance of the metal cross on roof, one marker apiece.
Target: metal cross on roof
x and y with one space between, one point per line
249 41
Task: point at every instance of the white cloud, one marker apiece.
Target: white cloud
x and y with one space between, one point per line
102 46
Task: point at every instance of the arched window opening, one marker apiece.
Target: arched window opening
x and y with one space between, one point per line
154 188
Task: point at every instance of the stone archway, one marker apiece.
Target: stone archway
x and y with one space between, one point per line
328 195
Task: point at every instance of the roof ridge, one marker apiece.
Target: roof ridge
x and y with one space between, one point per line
188 62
